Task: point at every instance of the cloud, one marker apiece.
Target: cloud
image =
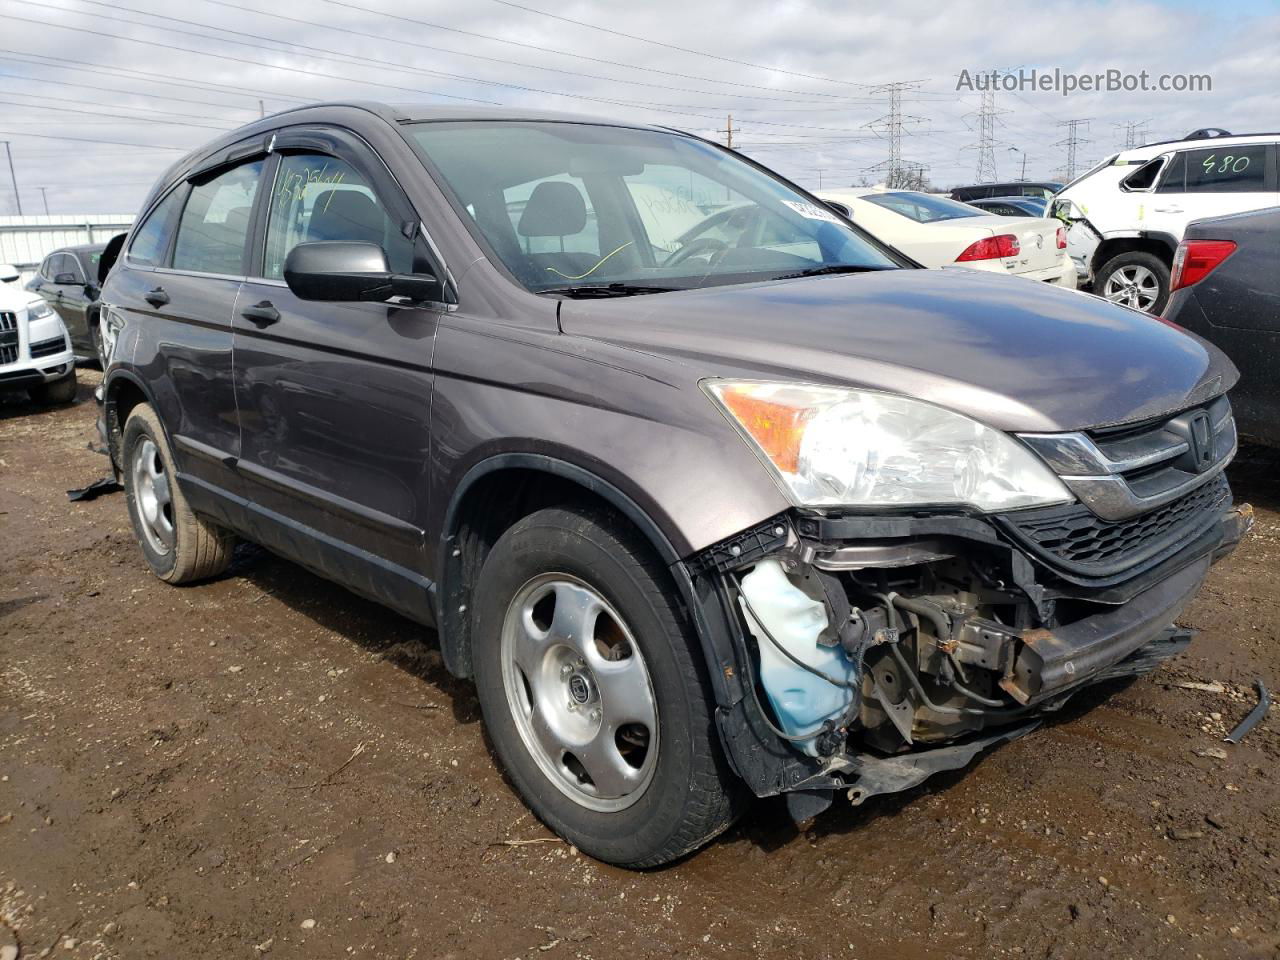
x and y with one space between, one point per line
216 67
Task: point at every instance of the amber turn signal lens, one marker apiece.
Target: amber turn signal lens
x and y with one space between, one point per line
776 427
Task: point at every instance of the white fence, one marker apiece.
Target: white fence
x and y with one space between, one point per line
25 241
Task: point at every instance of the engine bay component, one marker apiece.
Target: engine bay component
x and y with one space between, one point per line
806 673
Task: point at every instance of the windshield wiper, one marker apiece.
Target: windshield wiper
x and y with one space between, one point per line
832 268
591 290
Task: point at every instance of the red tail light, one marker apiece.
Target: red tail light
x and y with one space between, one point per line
1062 238
1196 259
991 248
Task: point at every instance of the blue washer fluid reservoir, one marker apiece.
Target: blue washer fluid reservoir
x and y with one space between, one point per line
802 700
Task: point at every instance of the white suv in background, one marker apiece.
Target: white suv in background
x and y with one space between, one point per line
35 351
1128 214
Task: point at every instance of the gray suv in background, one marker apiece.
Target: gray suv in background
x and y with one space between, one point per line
705 513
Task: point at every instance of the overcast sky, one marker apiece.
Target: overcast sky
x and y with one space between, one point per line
797 76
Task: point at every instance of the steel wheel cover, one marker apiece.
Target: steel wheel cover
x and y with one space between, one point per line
152 496
579 692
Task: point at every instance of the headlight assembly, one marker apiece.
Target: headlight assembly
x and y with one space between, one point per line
843 447
38 310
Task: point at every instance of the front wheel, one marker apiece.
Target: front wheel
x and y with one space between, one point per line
1136 279
592 692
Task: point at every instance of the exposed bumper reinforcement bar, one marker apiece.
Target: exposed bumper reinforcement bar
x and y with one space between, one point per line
1052 661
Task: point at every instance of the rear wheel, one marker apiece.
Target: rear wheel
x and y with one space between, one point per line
591 692
1135 279
179 545
55 392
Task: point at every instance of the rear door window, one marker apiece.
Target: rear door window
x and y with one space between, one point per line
215 222
318 198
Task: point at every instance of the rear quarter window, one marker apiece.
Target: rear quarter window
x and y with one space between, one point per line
150 241
1222 170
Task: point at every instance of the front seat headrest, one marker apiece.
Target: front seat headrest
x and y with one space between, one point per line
555 209
347 215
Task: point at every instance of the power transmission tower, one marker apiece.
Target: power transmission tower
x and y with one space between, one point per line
1134 133
986 145
897 171
728 132
1072 141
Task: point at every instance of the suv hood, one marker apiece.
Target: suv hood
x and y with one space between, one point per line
13 296
1013 353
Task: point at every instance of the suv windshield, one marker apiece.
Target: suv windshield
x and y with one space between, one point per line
572 206
923 207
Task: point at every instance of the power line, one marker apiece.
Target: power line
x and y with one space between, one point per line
117 116
115 72
98 103
115 143
558 52
659 108
459 53
102 89
672 46
223 56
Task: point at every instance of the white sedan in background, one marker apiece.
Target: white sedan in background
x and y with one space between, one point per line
941 232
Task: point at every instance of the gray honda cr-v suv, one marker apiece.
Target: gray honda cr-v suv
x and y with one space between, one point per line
756 508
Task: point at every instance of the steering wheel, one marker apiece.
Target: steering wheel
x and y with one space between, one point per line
717 249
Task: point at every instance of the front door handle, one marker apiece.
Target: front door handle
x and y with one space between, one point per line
263 314
157 297
1167 209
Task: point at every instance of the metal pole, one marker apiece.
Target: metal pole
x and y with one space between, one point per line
14 177
1024 165
44 195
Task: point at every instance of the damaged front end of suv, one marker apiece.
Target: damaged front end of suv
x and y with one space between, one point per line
884 644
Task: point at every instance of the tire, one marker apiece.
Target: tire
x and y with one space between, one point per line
55 392
180 547
675 791
1114 281
99 355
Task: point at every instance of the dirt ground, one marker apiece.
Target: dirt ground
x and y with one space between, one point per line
268 766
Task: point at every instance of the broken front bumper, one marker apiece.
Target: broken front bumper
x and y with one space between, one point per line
966 641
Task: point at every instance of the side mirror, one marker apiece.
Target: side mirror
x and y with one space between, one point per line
839 208
65 279
8 273
339 271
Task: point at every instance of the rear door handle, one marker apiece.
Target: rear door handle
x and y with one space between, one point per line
263 314
1167 209
157 297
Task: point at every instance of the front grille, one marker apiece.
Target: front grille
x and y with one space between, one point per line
8 338
1130 470
47 348
1078 544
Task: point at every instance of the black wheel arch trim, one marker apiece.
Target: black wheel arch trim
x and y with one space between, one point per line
113 438
451 593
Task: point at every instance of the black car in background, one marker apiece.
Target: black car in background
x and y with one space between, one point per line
69 281
1017 188
1226 288
1012 206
